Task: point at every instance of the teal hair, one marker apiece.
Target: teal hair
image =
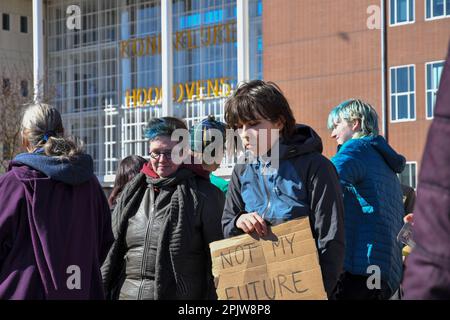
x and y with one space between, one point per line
163 127
355 109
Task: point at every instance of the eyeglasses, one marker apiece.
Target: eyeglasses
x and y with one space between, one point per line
157 155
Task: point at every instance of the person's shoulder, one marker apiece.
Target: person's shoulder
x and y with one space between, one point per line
9 178
18 173
354 149
207 188
12 182
314 158
354 144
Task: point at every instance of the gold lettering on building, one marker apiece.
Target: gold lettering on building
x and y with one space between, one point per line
188 39
211 88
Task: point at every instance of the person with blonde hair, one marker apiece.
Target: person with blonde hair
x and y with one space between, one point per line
367 168
55 223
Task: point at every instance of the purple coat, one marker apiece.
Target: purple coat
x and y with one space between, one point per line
55 229
428 266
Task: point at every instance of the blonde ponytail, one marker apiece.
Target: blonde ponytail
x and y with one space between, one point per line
42 127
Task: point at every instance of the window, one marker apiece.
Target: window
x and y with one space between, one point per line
24 24
5 21
403 97
408 176
401 11
434 72
437 9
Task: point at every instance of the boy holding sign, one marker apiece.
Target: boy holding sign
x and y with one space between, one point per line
287 178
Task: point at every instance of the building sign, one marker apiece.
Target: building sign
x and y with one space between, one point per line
194 90
283 265
188 39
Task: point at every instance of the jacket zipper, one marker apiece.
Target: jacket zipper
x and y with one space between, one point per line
144 254
266 188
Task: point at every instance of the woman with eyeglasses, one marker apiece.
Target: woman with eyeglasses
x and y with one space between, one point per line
163 223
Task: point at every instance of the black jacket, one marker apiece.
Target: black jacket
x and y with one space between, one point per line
304 184
162 252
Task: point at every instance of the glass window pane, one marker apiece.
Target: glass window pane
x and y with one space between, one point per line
429 104
447 7
402 79
412 111
428 9
438 8
411 10
402 10
437 72
393 81
393 108
429 83
405 176
392 11
411 78
403 107
413 175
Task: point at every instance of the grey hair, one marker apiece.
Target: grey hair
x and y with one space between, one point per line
42 127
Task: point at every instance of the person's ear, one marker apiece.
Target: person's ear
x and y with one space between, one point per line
356 126
280 123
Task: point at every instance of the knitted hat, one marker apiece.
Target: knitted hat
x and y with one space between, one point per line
201 135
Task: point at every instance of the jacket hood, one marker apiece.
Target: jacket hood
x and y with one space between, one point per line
74 172
394 160
304 140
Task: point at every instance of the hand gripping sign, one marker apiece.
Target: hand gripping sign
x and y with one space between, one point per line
281 266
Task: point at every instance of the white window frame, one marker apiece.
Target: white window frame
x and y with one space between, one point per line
444 16
433 90
406 93
391 10
406 166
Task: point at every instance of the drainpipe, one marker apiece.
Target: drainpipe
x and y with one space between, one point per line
384 70
38 51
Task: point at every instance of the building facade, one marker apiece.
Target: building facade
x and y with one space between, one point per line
16 38
389 53
16 61
107 71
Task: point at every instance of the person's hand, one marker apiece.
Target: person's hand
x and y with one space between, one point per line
409 218
249 222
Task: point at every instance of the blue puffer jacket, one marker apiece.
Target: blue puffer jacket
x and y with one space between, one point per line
373 205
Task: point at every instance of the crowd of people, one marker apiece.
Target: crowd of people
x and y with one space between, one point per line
61 238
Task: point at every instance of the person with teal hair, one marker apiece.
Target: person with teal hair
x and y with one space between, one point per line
367 168
210 132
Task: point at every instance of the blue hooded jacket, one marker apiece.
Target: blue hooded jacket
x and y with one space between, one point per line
73 172
373 205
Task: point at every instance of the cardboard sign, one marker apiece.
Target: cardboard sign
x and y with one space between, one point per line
281 266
